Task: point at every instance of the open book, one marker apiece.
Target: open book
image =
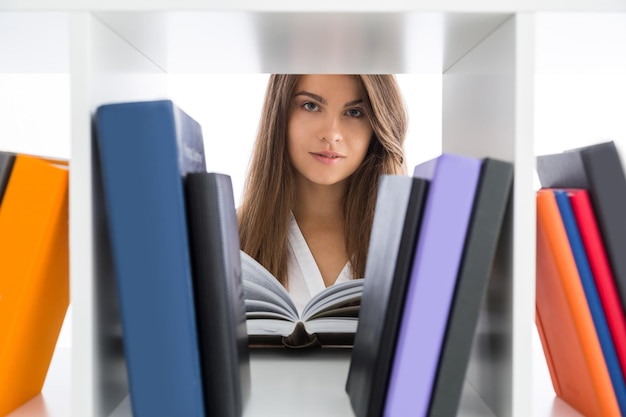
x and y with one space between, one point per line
329 319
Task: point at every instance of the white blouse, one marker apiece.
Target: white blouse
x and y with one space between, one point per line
304 277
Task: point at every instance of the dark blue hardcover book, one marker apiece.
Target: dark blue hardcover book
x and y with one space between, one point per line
145 150
593 298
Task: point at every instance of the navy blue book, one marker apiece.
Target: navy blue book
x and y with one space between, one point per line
593 298
145 150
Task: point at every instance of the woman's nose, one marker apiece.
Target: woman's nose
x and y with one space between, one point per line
332 130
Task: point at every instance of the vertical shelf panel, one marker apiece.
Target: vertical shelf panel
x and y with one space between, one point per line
488 111
104 68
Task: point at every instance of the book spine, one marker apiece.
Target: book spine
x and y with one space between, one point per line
140 160
568 329
220 310
478 256
593 299
190 142
608 196
6 165
364 386
451 194
34 276
601 271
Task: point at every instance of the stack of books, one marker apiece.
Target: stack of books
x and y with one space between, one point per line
581 276
175 257
430 259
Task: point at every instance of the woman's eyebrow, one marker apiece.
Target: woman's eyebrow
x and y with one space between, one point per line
353 102
323 101
311 95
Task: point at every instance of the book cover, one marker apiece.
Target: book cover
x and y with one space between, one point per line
218 291
145 149
34 275
592 297
568 336
488 215
451 193
597 168
390 256
329 319
6 165
601 270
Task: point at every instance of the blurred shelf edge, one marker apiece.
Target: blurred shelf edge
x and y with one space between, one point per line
324 5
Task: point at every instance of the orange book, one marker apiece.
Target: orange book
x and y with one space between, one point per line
568 336
34 276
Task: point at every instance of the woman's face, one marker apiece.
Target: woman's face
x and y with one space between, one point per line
328 130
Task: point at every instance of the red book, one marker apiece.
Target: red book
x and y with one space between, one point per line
601 270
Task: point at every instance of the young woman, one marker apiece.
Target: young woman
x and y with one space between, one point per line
308 203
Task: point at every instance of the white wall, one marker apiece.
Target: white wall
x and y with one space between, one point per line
580 94
34 114
580 82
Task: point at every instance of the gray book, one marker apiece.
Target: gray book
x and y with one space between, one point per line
6 166
390 257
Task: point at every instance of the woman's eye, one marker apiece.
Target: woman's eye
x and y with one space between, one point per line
310 106
355 113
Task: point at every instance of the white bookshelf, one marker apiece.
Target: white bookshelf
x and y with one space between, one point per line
123 50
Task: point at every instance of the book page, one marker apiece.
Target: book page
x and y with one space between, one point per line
347 305
256 296
349 310
332 325
269 327
254 273
317 326
337 295
265 309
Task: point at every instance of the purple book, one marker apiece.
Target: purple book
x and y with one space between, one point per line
439 250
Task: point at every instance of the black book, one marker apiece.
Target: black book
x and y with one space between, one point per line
6 165
390 257
598 169
218 293
488 216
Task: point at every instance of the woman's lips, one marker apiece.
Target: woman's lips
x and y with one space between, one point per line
327 158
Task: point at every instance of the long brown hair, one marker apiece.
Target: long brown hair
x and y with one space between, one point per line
269 189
